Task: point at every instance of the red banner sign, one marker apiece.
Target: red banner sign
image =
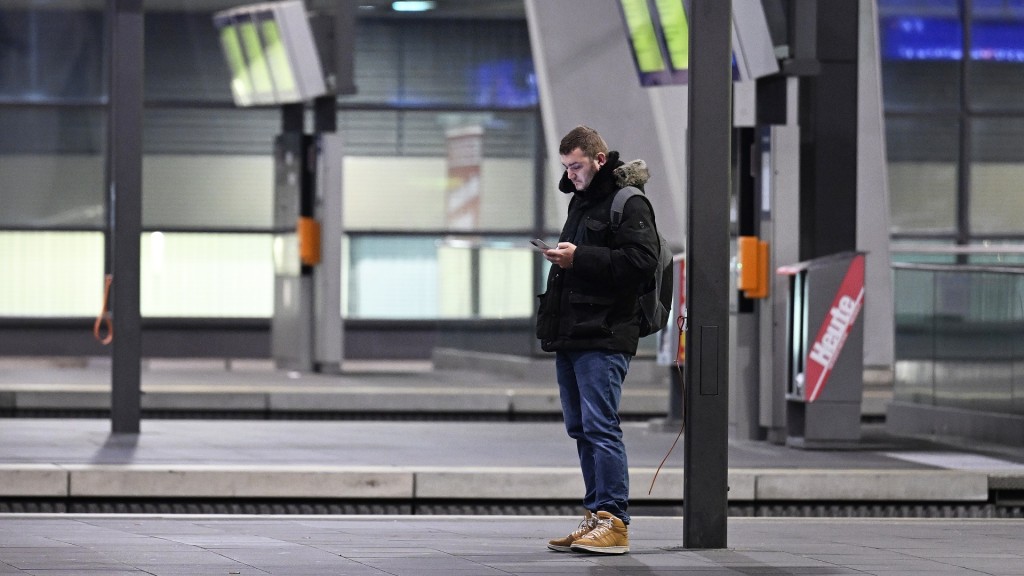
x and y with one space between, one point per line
465 154
828 345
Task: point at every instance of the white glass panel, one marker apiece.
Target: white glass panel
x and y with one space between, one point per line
392 277
207 275
506 282
455 292
51 274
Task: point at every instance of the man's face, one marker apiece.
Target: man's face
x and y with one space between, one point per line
580 168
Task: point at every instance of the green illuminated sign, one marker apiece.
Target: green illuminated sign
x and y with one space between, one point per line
676 30
277 57
642 35
240 83
258 69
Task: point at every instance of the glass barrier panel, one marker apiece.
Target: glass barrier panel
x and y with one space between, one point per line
392 277
997 259
960 338
506 281
459 267
431 277
206 275
51 274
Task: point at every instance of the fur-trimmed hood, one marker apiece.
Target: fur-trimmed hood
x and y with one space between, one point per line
632 173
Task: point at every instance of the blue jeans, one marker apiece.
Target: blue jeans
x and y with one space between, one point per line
590 386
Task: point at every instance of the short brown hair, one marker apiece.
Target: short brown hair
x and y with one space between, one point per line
586 139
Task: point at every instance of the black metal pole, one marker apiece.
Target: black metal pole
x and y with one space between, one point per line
963 184
706 457
540 192
125 202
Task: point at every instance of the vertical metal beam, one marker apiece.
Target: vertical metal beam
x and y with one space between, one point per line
746 349
828 123
803 31
325 114
963 180
125 189
706 457
540 184
540 192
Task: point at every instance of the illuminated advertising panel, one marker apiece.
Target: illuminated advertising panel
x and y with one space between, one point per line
676 31
271 53
259 71
231 45
659 38
646 41
277 58
643 40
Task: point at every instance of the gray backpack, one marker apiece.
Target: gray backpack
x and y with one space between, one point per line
655 297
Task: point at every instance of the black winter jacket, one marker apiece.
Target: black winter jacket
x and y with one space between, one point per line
593 305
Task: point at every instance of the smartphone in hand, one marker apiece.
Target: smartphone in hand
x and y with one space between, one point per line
540 244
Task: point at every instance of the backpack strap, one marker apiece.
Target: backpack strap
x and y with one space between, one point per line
619 203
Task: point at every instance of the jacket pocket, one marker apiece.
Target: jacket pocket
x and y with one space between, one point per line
547 318
595 232
590 315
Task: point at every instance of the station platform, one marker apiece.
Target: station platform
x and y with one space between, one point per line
431 465
298 495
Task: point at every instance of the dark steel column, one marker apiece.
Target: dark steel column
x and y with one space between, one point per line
125 189
746 358
963 173
706 457
540 192
828 126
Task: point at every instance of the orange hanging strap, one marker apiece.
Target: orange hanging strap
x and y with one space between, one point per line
104 317
681 324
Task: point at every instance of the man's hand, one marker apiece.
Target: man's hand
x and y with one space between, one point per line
561 254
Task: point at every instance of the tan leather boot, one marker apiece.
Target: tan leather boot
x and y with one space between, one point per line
563 544
611 536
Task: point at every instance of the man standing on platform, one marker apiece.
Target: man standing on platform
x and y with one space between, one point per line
588 316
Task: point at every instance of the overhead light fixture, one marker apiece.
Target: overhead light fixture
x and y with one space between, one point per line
412 6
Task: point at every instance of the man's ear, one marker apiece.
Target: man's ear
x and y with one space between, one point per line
601 158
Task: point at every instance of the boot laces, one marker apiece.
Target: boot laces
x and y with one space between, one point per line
604 525
586 525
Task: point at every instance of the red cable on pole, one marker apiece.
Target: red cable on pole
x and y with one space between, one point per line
104 316
681 324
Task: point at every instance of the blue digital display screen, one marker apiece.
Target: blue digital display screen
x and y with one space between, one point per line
942 38
504 83
998 41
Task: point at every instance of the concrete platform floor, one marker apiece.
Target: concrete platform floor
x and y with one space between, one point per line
431 461
500 546
413 461
417 461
